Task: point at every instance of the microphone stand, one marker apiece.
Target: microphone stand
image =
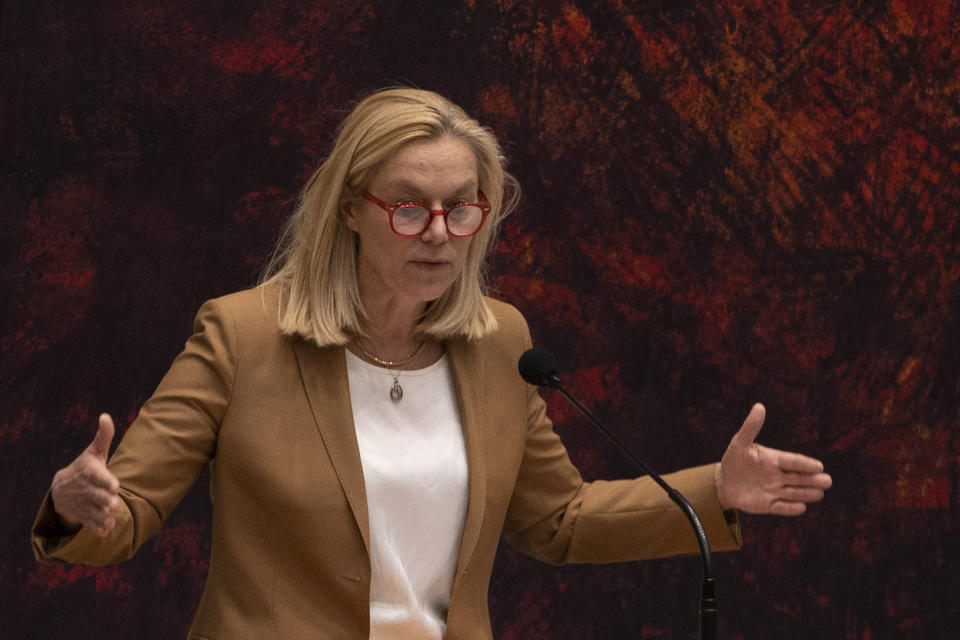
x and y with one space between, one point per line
708 595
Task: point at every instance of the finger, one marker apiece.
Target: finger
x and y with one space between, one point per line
780 508
798 463
789 480
751 426
98 512
104 529
92 516
821 481
100 446
99 477
102 499
801 494
95 516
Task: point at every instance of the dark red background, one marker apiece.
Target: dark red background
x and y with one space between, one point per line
725 202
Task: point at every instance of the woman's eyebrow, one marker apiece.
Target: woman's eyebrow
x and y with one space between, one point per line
410 187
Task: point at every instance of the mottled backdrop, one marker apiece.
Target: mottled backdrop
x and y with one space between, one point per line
724 202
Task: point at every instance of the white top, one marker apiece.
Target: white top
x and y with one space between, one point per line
415 473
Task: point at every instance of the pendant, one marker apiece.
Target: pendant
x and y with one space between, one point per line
396 392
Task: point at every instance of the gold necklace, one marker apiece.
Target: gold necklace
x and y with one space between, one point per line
396 391
387 363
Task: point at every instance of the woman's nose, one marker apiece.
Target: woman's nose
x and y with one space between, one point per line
436 231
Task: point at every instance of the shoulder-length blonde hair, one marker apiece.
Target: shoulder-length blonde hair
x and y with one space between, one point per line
314 262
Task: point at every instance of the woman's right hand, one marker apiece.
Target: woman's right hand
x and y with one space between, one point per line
85 493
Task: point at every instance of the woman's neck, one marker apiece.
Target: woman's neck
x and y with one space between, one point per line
391 326
392 320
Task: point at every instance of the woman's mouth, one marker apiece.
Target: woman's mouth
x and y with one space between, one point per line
431 264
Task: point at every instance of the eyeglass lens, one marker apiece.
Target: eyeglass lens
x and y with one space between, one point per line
412 219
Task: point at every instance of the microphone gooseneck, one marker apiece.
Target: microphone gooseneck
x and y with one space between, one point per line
539 367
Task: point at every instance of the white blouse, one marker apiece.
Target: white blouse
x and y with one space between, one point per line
415 473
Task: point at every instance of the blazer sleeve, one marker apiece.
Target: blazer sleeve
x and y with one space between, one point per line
162 452
557 517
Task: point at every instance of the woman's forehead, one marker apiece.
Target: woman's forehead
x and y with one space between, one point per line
447 163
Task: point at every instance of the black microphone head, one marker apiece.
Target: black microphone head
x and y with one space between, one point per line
539 367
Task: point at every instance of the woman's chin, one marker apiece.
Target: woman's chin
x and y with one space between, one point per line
431 286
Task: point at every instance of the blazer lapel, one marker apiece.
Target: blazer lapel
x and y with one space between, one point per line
468 378
324 375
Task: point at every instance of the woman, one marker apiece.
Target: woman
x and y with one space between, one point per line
368 434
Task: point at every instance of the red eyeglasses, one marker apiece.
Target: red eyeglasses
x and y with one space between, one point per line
409 219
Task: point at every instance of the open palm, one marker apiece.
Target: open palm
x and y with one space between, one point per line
758 479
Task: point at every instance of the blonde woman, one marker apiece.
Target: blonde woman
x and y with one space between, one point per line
368 434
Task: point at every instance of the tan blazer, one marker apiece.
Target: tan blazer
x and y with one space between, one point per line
289 558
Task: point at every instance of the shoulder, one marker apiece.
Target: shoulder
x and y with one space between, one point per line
509 318
510 338
251 311
256 300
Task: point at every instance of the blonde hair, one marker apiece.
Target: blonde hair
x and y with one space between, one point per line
314 263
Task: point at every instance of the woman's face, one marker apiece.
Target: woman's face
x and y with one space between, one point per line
393 269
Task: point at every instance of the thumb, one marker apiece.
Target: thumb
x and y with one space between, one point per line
100 446
751 426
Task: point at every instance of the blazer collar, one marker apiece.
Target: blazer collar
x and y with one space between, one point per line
466 367
324 374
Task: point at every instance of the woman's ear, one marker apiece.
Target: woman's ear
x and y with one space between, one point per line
347 207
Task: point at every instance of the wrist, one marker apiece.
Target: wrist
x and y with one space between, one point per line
62 521
718 483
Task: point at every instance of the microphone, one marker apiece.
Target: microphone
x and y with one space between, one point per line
538 367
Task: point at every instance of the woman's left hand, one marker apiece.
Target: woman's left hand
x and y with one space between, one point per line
758 479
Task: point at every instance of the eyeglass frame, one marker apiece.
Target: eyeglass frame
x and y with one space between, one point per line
484 204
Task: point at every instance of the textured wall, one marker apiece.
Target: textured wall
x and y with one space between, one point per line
724 202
